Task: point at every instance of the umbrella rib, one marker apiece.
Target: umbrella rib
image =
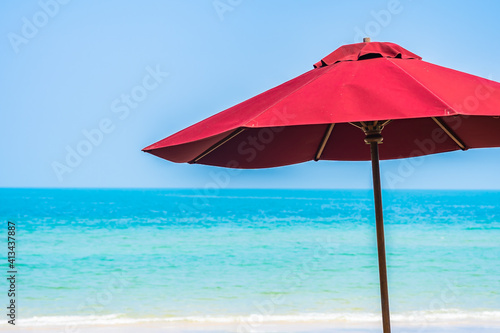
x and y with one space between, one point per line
322 145
450 133
362 125
217 145
357 124
385 123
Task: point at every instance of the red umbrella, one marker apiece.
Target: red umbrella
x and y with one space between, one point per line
330 112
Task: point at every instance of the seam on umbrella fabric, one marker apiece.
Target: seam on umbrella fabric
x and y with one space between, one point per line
291 93
425 87
245 125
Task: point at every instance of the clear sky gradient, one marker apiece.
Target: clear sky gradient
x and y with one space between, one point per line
67 68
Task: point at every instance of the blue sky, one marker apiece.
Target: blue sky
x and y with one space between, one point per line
67 68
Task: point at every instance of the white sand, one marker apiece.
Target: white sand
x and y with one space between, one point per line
268 328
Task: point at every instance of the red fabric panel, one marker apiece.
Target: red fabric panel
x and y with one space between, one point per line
464 93
374 89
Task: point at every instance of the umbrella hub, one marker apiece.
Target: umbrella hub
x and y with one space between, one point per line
373 134
372 129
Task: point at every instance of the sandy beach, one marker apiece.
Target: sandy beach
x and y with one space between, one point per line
263 328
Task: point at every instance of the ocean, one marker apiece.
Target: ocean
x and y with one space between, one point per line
247 256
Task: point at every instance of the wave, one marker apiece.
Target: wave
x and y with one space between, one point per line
447 317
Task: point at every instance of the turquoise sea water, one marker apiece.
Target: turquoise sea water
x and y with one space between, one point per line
291 255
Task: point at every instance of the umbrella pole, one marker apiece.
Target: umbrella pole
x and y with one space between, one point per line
377 191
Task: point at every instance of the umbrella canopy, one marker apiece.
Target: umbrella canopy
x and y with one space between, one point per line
347 100
358 82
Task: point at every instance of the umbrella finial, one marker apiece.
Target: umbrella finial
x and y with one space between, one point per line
366 40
